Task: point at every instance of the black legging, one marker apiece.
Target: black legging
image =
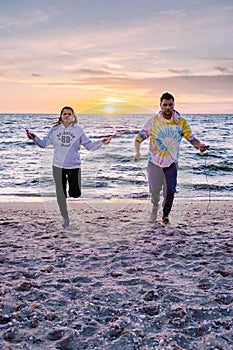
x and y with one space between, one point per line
61 176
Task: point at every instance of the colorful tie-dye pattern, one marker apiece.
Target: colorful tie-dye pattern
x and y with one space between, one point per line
165 137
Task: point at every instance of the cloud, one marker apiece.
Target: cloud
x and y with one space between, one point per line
180 71
27 19
191 84
92 72
224 70
133 47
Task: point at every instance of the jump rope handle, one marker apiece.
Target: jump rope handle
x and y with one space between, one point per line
30 135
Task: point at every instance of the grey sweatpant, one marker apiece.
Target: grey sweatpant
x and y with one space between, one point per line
162 178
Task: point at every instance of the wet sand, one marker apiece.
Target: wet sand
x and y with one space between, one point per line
115 281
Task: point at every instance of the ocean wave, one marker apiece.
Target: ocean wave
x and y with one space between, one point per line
212 187
221 167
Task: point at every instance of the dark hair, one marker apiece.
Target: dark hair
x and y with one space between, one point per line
166 96
71 109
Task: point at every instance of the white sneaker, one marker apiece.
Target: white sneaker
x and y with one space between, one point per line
66 223
154 214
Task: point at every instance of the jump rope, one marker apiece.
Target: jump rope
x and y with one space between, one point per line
205 172
208 184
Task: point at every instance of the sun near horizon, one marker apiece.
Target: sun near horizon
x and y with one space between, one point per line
111 105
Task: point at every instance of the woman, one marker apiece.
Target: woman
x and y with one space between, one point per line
67 137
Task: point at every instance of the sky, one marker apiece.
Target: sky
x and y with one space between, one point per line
108 54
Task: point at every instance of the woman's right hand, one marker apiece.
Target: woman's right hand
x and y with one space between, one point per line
30 135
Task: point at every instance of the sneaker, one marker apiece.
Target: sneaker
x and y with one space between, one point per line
66 223
153 215
166 221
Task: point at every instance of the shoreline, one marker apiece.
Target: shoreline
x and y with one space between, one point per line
11 200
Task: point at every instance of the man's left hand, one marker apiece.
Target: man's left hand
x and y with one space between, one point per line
106 140
203 147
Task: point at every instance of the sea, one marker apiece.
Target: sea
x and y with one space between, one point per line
111 172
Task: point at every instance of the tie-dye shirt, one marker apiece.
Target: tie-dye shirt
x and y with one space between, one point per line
165 137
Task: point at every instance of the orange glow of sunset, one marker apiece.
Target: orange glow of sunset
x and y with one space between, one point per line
79 55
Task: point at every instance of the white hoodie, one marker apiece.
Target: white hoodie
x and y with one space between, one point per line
66 143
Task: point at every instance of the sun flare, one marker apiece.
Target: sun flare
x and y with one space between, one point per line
110 109
112 103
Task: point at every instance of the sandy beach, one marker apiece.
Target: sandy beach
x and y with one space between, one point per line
113 280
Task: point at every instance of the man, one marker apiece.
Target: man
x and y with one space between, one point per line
165 131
